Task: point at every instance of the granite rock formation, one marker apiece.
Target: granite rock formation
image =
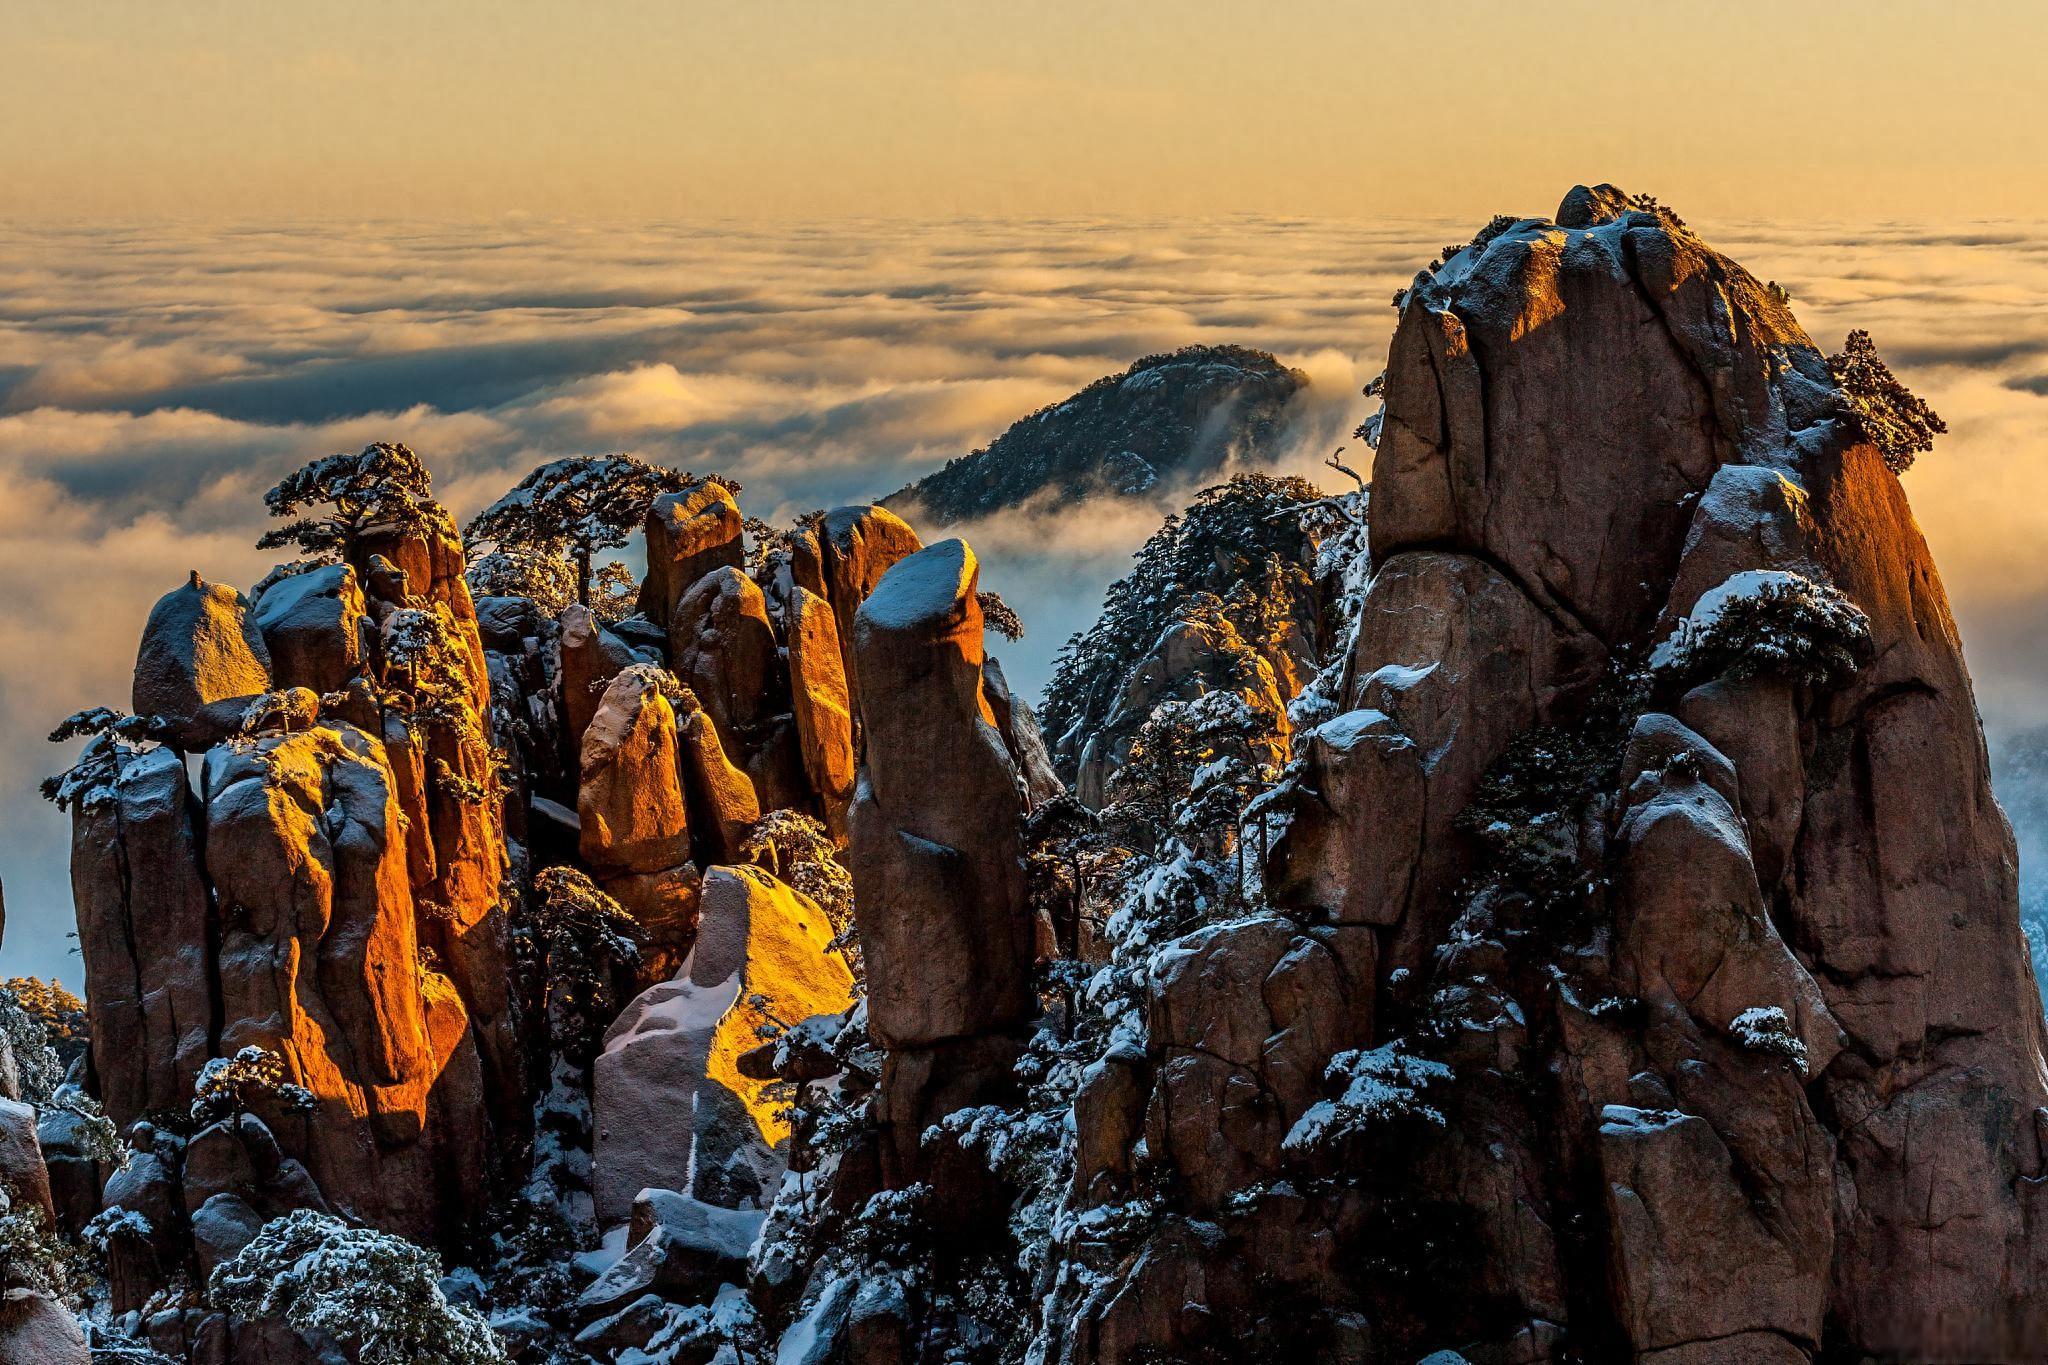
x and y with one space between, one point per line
1667 971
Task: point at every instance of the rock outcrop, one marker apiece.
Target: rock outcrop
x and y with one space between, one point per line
202 659
855 547
1663 954
672 1109
319 961
35 1328
945 926
315 626
689 535
146 930
823 704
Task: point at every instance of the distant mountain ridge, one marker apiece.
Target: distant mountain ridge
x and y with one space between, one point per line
1169 420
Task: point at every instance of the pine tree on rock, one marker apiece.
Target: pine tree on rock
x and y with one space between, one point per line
383 485
578 507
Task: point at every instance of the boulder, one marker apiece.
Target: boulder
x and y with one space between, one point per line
37 1330
723 804
315 626
591 657
1589 513
202 657
630 803
21 1158
74 1173
222 1226
689 534
722 647
679 1248
506 623
762 952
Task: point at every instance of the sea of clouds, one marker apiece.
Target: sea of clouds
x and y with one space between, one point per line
155 380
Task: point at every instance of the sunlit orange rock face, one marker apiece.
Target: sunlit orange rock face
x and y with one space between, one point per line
319 960
1763 1079
671 1107
333 891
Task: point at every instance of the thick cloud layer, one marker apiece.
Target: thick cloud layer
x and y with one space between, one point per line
154 381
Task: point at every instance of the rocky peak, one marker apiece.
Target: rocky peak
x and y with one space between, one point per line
1168 423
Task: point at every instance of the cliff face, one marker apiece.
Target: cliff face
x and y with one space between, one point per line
1169 422
1677 994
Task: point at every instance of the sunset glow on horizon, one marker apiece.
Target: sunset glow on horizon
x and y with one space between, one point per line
228 109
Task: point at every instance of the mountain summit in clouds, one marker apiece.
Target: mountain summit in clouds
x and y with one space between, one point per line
1168 422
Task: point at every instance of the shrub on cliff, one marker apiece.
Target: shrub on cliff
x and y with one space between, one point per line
1891 416
1764 623
1240 542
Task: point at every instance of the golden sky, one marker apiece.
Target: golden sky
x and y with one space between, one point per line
607 108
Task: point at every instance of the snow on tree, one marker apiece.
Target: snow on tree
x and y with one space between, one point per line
544 580
383 485
254 1078
1380 1085
614 593
114 738
369 1290
1068 860
576 941
999 616
28 1039
579 506
1241 543
35 1257
1192 768
1766 622
1764 1028
1891 416
427 680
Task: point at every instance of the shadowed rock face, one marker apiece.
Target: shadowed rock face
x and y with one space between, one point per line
945 927
146 931
1746 1056
313 624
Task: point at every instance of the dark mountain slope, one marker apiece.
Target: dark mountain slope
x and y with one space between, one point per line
1167 422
